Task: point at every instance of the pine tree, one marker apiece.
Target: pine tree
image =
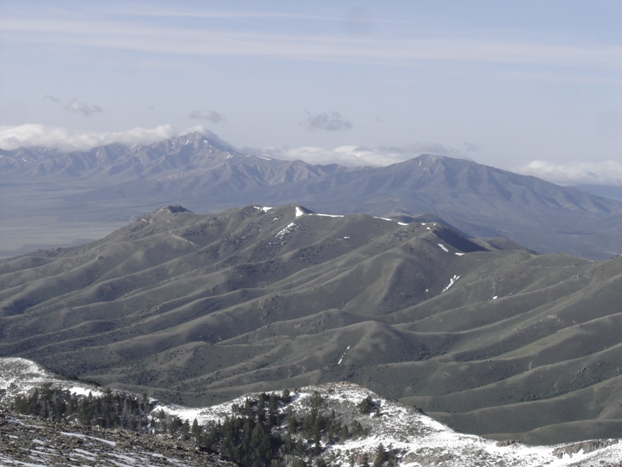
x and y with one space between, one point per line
196 430
292 423
185 429
366 405
345 433
381 456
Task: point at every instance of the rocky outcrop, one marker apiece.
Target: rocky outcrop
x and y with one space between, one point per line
36 442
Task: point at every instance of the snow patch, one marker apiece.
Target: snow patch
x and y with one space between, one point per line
18 376
299 212
82 391
343 355
80 435
452 281
290 227
443 247
182 239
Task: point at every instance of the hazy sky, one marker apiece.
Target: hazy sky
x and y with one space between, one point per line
504 83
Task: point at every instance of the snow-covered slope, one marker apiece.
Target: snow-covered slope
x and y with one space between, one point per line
19 375
414 438
417 439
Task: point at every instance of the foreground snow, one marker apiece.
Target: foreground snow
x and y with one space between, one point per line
418 439
415 438
18 376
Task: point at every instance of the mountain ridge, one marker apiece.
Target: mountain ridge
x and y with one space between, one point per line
115 182
406 434
201 308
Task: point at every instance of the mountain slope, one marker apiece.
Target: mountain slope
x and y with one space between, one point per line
113 183
479 200
201 308
187 157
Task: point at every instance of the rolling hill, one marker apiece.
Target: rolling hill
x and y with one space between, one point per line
487 338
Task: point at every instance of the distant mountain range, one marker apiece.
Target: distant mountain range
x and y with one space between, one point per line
607 191
114 183
484 336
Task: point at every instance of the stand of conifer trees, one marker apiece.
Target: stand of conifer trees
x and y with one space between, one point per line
111 410
257 433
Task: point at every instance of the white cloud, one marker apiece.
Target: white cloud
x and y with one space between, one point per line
36 135
329 121
357 155
209 115
31 135
76 106
571 173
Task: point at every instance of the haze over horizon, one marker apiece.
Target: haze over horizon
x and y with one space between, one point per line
531 87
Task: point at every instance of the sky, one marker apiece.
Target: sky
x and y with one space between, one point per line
530 86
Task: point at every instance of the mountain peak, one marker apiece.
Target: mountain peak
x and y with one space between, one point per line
205 138
438 159
164 212
173 209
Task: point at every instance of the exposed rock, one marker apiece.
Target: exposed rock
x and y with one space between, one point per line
36 442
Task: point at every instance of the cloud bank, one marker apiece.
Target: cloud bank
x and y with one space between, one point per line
357 155
63 139
574 173
33 135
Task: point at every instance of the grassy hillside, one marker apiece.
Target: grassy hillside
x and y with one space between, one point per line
199 309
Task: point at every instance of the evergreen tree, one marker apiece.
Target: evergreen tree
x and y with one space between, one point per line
196 430
185 429
345 433
366 405
381 456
